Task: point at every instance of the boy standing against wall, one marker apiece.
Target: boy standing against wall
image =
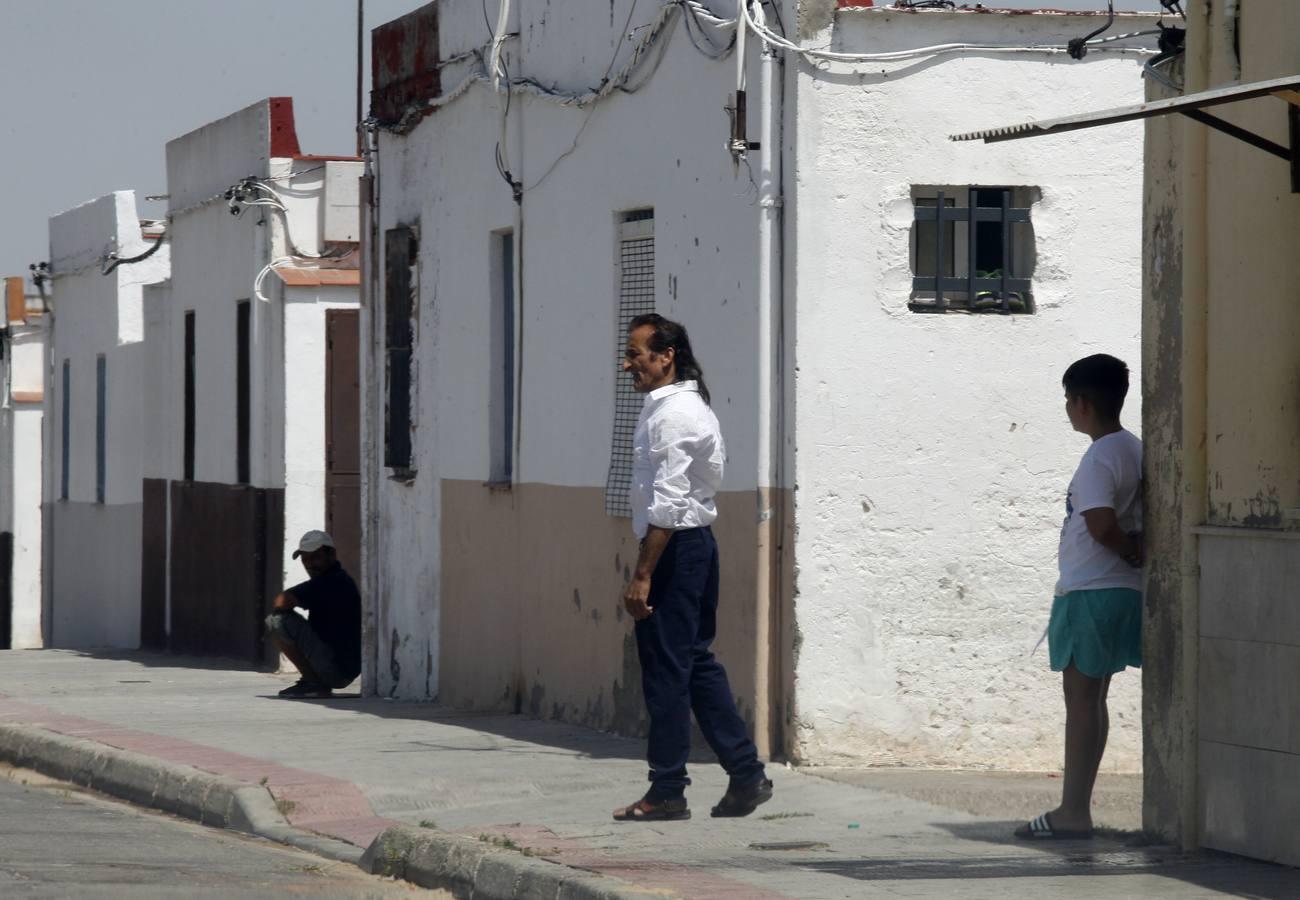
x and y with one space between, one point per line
1096 624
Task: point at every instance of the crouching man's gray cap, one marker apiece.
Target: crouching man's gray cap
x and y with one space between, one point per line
313 541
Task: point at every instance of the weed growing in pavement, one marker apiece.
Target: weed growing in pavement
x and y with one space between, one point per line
285 806
505 843
264 780
428 823
772 817
309 869
394 860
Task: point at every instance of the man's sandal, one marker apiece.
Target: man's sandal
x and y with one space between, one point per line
1040 829
646 810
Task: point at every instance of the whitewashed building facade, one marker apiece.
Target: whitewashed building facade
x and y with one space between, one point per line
22 391
203 392
897 450
94 421
240 343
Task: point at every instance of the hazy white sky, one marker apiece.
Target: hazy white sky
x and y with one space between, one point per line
93 90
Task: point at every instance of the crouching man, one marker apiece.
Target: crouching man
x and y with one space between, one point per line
326 648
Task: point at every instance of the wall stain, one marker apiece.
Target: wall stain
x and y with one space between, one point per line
394 667
577 599
629 716
1264 511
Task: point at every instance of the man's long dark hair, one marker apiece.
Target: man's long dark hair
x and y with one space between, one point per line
671 335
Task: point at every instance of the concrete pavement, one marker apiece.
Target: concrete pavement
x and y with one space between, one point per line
505 794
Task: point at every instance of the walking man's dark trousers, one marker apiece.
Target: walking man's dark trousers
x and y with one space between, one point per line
679 673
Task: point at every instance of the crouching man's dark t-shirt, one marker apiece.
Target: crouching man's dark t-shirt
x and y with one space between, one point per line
335 607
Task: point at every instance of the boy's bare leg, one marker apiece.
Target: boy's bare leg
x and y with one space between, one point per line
1085 735
1103 713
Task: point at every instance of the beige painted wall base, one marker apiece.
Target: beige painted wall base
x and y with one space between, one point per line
532 618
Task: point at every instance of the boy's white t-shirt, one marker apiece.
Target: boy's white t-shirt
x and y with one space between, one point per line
1110 474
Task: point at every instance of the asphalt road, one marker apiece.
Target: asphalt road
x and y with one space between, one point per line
60 841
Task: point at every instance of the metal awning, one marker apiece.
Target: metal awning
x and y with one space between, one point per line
1191 105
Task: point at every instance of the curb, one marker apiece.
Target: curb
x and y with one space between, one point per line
145 781
461 865
467 867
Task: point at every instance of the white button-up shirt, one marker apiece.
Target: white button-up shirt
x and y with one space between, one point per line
677 460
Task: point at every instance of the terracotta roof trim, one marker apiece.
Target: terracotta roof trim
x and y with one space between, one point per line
294 276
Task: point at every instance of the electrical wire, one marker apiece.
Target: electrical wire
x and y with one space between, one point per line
619 82
755 18
106 269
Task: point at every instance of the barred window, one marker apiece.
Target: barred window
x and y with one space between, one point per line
972 249
636 296
401 293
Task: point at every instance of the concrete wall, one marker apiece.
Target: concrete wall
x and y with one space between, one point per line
94 546
1225 719
933 450
508 598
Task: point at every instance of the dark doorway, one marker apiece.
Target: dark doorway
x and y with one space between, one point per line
343 436
6 588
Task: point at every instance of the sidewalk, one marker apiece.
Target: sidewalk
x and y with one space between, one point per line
350 768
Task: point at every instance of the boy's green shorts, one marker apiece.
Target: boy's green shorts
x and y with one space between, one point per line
1100 631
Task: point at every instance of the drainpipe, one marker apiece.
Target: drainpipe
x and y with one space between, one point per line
372 403
772 512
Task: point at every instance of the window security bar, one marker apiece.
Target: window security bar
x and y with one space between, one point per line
973 284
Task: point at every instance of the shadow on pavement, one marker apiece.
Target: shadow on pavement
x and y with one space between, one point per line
518 733
156 660
1113 853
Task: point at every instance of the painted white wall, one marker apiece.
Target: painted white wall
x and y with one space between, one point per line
25 626
20 467
660 147
933 450
304 412
94 547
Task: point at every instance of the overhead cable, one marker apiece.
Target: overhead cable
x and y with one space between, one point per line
756 20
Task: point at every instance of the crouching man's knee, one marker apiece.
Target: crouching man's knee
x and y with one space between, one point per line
279 624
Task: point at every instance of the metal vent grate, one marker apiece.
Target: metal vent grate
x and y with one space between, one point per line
636 296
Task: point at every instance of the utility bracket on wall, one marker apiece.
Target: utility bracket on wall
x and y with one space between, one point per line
1191 105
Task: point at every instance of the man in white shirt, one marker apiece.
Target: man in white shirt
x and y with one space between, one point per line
678 457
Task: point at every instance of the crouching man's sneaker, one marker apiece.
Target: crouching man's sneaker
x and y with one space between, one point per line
741 800
306 690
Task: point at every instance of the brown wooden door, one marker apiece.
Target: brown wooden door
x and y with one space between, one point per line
343 436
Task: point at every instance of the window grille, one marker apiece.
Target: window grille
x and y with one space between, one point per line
636 296
972 250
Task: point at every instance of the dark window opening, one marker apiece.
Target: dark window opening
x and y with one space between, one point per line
972 250
188 438
401 256
502 355
66 445
243 393
101 425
